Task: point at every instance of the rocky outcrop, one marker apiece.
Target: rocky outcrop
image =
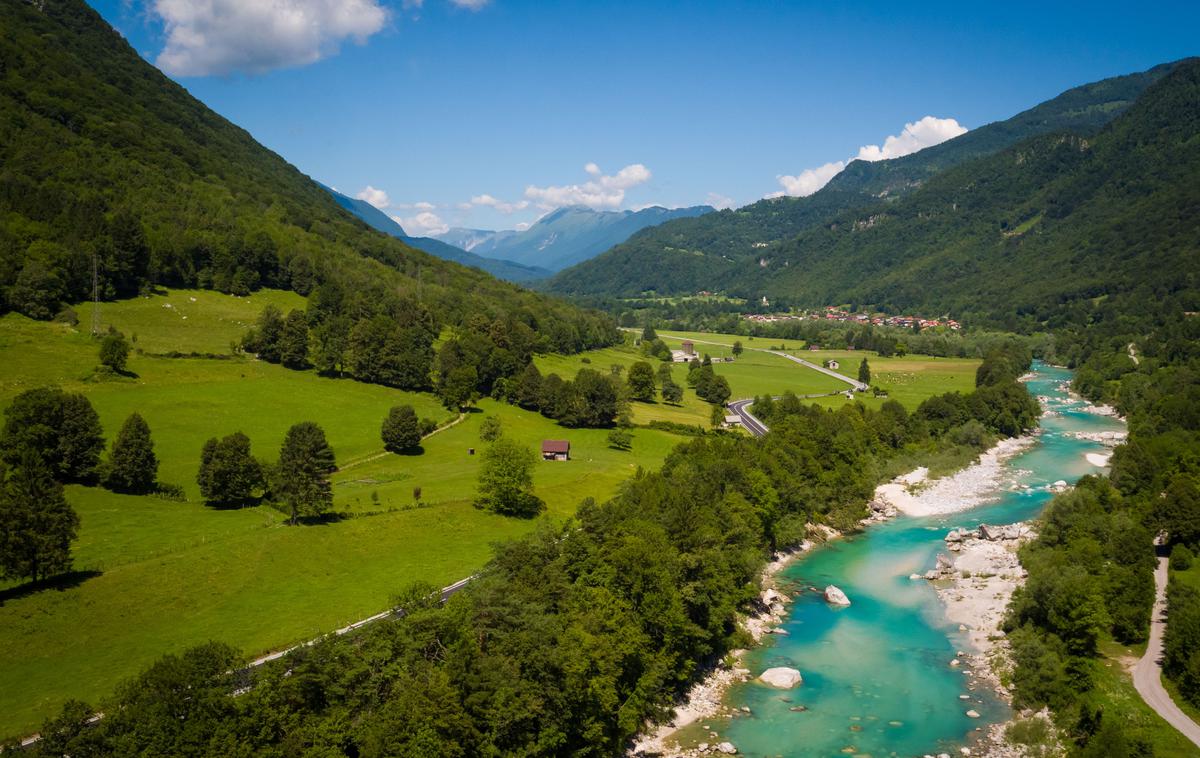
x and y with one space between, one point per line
835 596
781 677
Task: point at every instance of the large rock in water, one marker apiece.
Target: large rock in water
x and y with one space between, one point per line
836 596
782 677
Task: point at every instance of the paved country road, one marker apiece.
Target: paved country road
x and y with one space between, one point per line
857 385
749 420
1147 674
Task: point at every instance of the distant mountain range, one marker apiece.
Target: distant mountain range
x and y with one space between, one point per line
377 219
566 236
738 251
1083 209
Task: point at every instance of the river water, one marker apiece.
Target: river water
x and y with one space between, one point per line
876 675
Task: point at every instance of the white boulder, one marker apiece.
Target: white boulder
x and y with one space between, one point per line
782 677
835 596
727 748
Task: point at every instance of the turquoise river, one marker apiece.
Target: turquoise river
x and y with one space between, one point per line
877 679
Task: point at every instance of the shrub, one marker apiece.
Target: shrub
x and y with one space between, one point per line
1181 558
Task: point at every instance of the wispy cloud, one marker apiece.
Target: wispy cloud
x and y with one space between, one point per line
487 201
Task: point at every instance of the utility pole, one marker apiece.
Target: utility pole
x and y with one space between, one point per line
95 298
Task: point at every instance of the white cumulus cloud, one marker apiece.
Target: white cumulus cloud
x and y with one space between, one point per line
425 223
207 37
916 136
375 197
601 192
809 180
471 5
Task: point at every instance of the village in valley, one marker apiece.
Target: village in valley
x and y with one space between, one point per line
832 313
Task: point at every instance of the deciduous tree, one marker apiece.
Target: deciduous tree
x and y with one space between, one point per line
228 472
491 429
641 382
114 351
506 480
62 428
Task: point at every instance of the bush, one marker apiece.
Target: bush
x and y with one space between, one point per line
1181 558
620 439
114 351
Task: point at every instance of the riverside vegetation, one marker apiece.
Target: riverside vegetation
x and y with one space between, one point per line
571 637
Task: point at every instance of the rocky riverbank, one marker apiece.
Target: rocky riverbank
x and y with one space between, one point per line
913 495
705 699
975 580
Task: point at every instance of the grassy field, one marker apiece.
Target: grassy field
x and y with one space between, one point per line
908 379
160 575
156 576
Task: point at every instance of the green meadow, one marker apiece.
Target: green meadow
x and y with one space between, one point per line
156 576
909 379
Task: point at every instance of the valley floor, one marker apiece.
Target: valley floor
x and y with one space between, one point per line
156 576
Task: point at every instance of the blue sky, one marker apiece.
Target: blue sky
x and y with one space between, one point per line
485 113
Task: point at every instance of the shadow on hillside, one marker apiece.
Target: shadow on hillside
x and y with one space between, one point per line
324 519
234 505
67 581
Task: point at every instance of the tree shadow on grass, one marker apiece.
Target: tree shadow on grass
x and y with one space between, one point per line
67 581
325 519
233 505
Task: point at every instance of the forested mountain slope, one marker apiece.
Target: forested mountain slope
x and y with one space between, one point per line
706 253
1059 229
377 219
104 158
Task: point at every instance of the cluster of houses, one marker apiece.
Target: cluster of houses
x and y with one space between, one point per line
838 314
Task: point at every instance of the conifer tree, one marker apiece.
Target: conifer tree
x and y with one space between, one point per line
293 340
132 465
305 462
37 524
401 430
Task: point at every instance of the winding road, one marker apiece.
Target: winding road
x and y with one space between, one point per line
1147 674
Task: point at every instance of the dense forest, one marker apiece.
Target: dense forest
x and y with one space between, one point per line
720 251
570 638
1090 568
108 165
